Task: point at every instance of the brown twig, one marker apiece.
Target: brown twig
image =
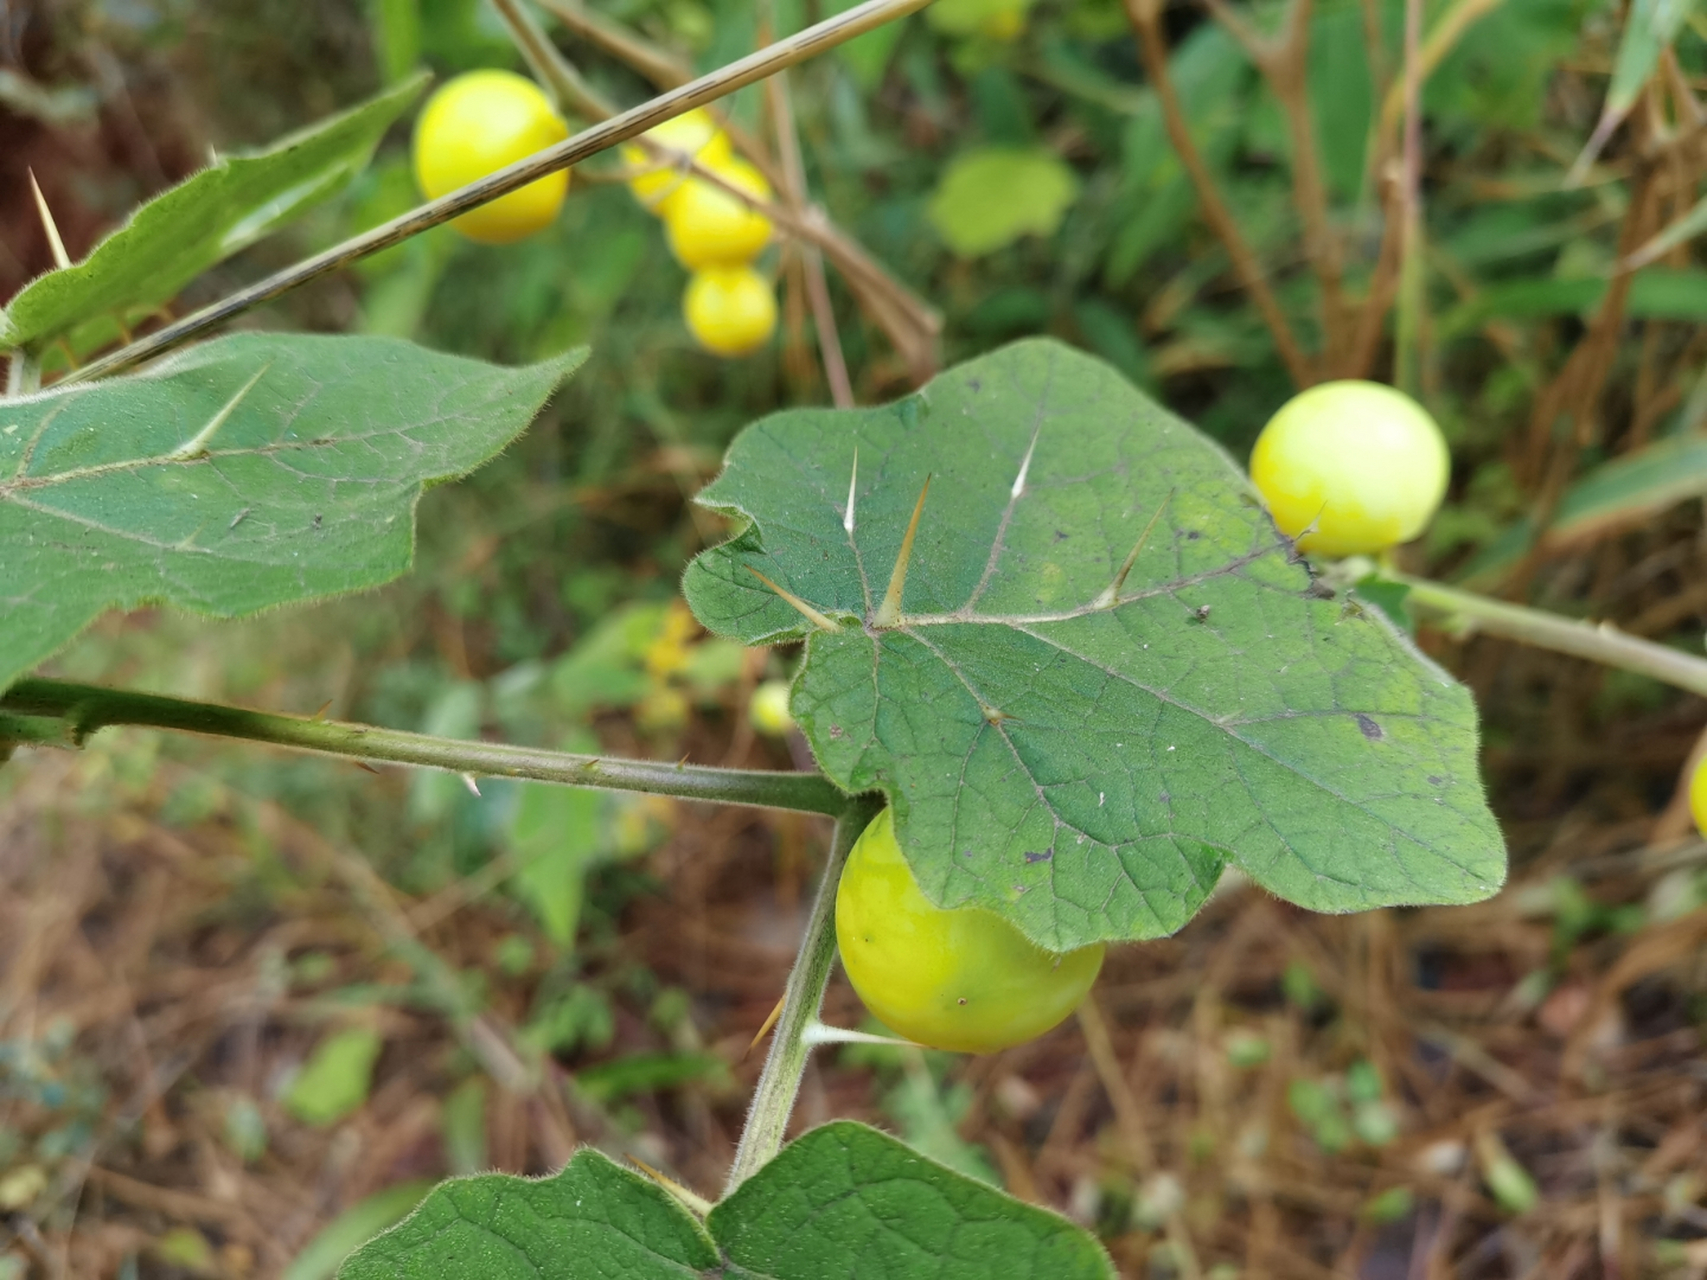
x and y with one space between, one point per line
1145 17
1283 62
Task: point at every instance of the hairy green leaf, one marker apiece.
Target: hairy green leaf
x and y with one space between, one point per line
847 1201
1078 750
593 1220
252 471
206 218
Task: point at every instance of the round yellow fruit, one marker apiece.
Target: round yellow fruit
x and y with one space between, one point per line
1698 797
1351 468
693 132
962 979
477 124
731 311
768 709
708 227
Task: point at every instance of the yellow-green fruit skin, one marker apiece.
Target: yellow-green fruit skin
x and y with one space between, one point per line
707 227
731 311
1698 797
694 132
1359 465
768 709
479 123
961 979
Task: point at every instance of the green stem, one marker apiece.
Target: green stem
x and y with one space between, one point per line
779 1084
86 708
589 142
1598 642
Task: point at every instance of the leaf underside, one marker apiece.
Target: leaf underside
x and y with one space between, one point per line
1080 759
246 473
841 1201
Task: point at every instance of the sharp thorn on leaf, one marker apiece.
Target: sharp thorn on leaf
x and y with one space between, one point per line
196 445
853 485
889 612
55 245
1111 594
805 610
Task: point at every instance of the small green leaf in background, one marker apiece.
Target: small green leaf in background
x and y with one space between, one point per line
248 472
649 1073
334 1082
1082 760
202 221
991 197
1508 1181
187 1249
353 1227
847 1201
558 835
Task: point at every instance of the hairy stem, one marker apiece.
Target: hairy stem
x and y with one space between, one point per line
589 142
779 1084
1602 642
82 709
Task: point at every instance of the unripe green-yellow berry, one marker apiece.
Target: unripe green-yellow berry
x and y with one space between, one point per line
1698 797
694 133
1351 468
962 978
768 709
708 227
731 311
477 124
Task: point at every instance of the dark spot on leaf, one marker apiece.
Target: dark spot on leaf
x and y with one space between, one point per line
1319 590
962 999
1201 613
1436 782
1371 730
317 519
1165 798
966 853
977 384
1041 856
1192 535
1060 535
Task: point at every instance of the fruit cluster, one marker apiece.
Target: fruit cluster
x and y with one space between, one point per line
729 307
482 121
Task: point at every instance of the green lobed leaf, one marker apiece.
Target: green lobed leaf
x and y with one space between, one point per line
206 218
238 475
593 1220
846 1201
842 1201
1086 768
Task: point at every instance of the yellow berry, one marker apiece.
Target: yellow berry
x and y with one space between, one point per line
709 227
1359 465
731 311
768 709
1698 797
963 978
477 124
693 132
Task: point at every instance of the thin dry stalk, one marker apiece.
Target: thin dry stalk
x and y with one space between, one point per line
1145 17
